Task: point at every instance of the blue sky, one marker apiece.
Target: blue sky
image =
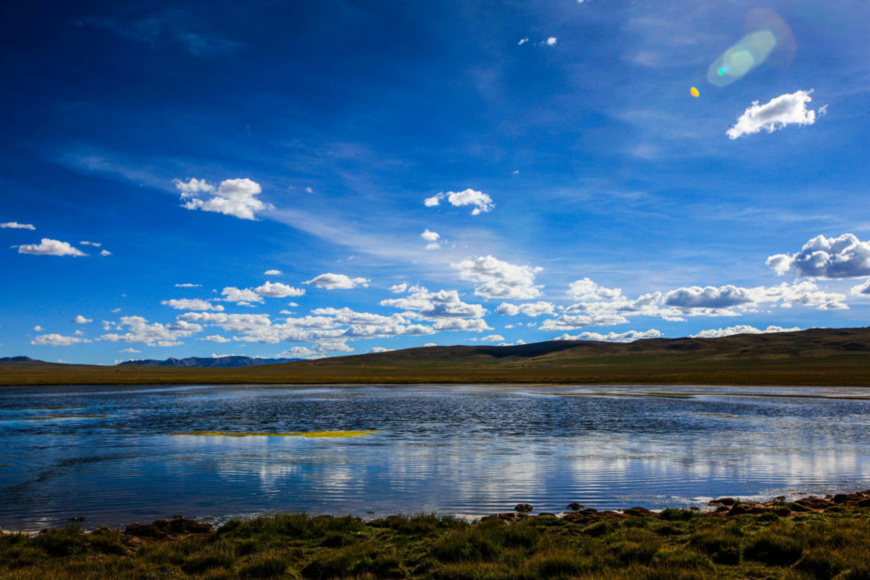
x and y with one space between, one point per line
325 178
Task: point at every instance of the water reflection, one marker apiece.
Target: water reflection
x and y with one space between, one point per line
463 450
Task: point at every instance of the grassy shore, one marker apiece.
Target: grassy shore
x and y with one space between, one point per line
813 538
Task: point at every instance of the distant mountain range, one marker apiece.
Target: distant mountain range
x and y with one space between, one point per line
16 359
223 362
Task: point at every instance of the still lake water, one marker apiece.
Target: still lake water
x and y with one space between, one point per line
466 450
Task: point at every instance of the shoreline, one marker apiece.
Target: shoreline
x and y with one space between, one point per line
721 507
811 538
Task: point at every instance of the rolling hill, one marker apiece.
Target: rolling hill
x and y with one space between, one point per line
809 357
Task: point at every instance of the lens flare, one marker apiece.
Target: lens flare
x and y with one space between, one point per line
695 92
752 50
768 38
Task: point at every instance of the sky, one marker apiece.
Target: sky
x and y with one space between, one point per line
309 179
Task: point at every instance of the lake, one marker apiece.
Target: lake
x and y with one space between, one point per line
112 454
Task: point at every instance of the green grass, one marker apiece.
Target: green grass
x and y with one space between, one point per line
809 546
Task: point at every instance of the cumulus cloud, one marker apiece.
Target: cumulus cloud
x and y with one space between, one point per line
129 350
522 41
95 244
707 297
861 289
79 319
573 321
432 238
105 253
192 304
240 295
57 340
278 290
493 338
629 336
272 273
216 338
399 288
551 41
235 197
788 109
586 289
16 226
436 305
38 328
48 247
381 349
498 279
154 334
821 257
337 282
481 202
740 329
529 309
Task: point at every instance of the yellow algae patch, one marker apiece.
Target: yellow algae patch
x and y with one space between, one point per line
303 434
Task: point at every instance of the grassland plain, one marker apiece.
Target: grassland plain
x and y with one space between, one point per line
812 538
817 357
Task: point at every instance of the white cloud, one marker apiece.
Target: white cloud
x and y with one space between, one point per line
461 325
48 247
95 244
192 304
529 309
17 226
432 238
788 109
188 285
79 319
861 289
278 290
337 282
38 328
437 305
587 290
708 297
154 334
573 321
399 288
821 257
57 340
216 338
493 338
740 329
523 41
240 295
482 202
629 336
430 344
272 273
381 349
499 279
105 253
130 350
551 41
235 197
